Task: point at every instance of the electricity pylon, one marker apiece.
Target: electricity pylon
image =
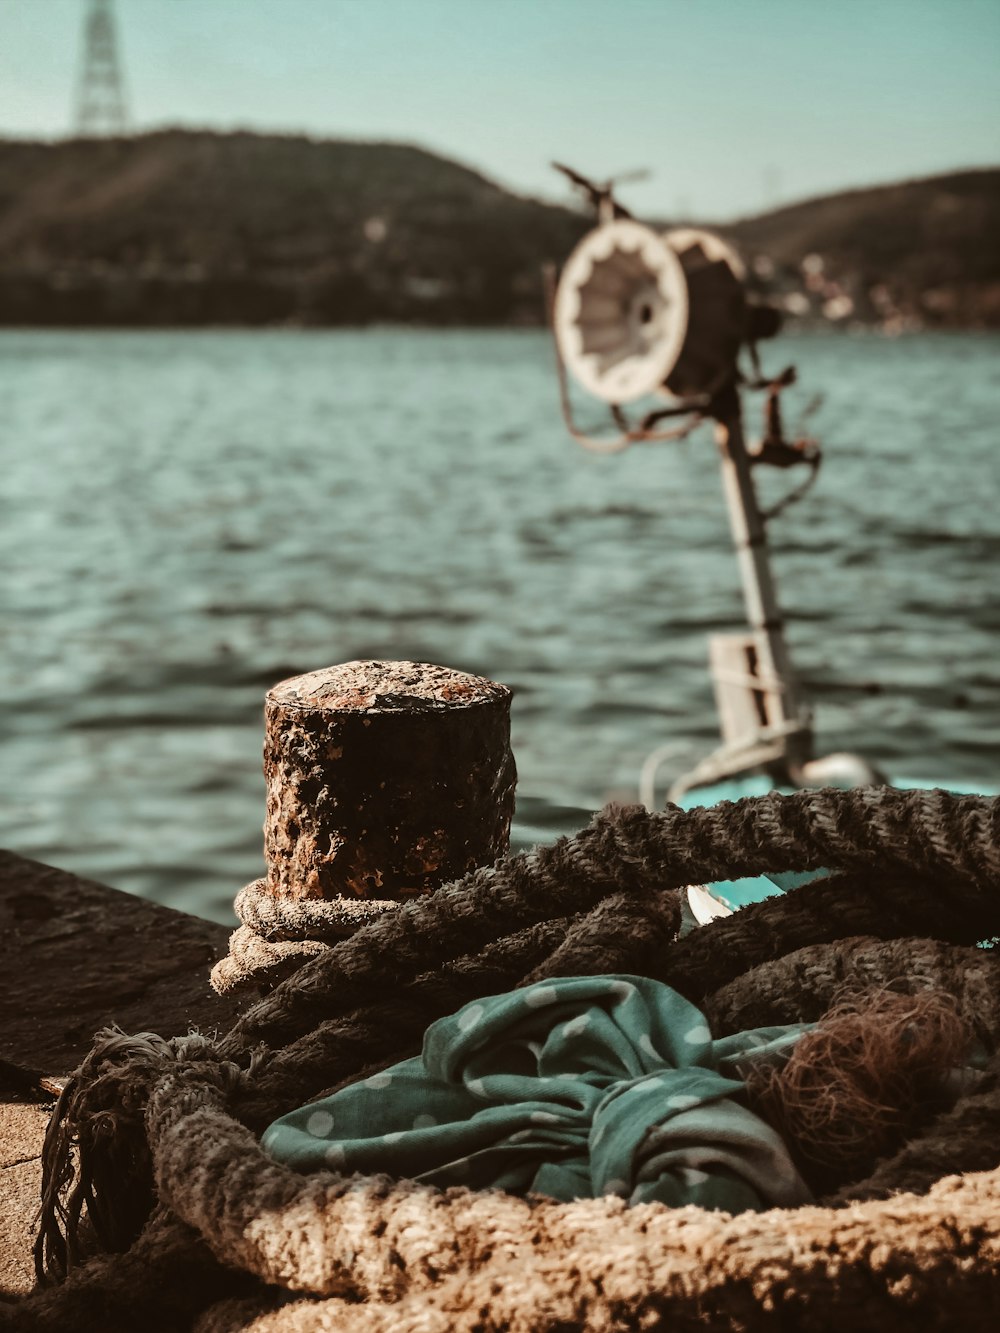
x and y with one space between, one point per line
100 95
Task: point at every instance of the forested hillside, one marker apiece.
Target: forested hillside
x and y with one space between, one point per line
193 227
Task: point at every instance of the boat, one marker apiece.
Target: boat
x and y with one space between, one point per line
639 315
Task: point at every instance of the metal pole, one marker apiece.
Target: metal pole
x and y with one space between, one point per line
774 665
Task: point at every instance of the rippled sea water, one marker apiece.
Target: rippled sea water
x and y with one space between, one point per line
190 517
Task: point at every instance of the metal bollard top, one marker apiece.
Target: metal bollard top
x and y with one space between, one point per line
379 687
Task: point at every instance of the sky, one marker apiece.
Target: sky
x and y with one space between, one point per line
732 105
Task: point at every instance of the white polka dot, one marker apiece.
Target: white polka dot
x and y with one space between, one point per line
477 1087
682 1101
646 1044
544 1118
335 1156
394 1137
424 1122
692 1176
540 996
379 1080
649 1085
468 1018
698 1034
319 1124
621 990
576 1026
615 1186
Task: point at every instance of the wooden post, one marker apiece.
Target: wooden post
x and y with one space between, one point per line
384 779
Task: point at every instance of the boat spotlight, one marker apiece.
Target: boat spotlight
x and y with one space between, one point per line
637 312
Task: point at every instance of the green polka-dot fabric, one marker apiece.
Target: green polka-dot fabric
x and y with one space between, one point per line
571 1088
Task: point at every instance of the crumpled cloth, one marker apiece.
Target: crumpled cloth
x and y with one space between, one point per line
571 1088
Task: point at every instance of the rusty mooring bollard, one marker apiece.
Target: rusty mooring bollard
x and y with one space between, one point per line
384 779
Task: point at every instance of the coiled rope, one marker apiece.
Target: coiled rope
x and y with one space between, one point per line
170 1126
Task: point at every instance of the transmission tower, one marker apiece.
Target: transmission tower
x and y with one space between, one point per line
100 98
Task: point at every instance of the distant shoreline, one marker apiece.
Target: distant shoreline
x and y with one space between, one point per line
188 229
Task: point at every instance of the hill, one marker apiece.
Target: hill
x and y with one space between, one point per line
193 227
922 251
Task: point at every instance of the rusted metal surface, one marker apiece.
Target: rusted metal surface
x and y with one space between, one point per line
77 955
384 779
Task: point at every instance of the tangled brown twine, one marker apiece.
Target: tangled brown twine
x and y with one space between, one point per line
160 1139
874 1068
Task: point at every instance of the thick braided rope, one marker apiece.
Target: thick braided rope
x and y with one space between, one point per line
854 902
801 986
277 934
371 1238
976 865
602 1266
619 935
630 850
274 918
253 963
350 1045
843 905
225 1184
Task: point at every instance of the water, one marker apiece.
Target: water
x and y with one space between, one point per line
189 517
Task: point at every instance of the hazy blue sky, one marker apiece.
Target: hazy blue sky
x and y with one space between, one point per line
733 104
